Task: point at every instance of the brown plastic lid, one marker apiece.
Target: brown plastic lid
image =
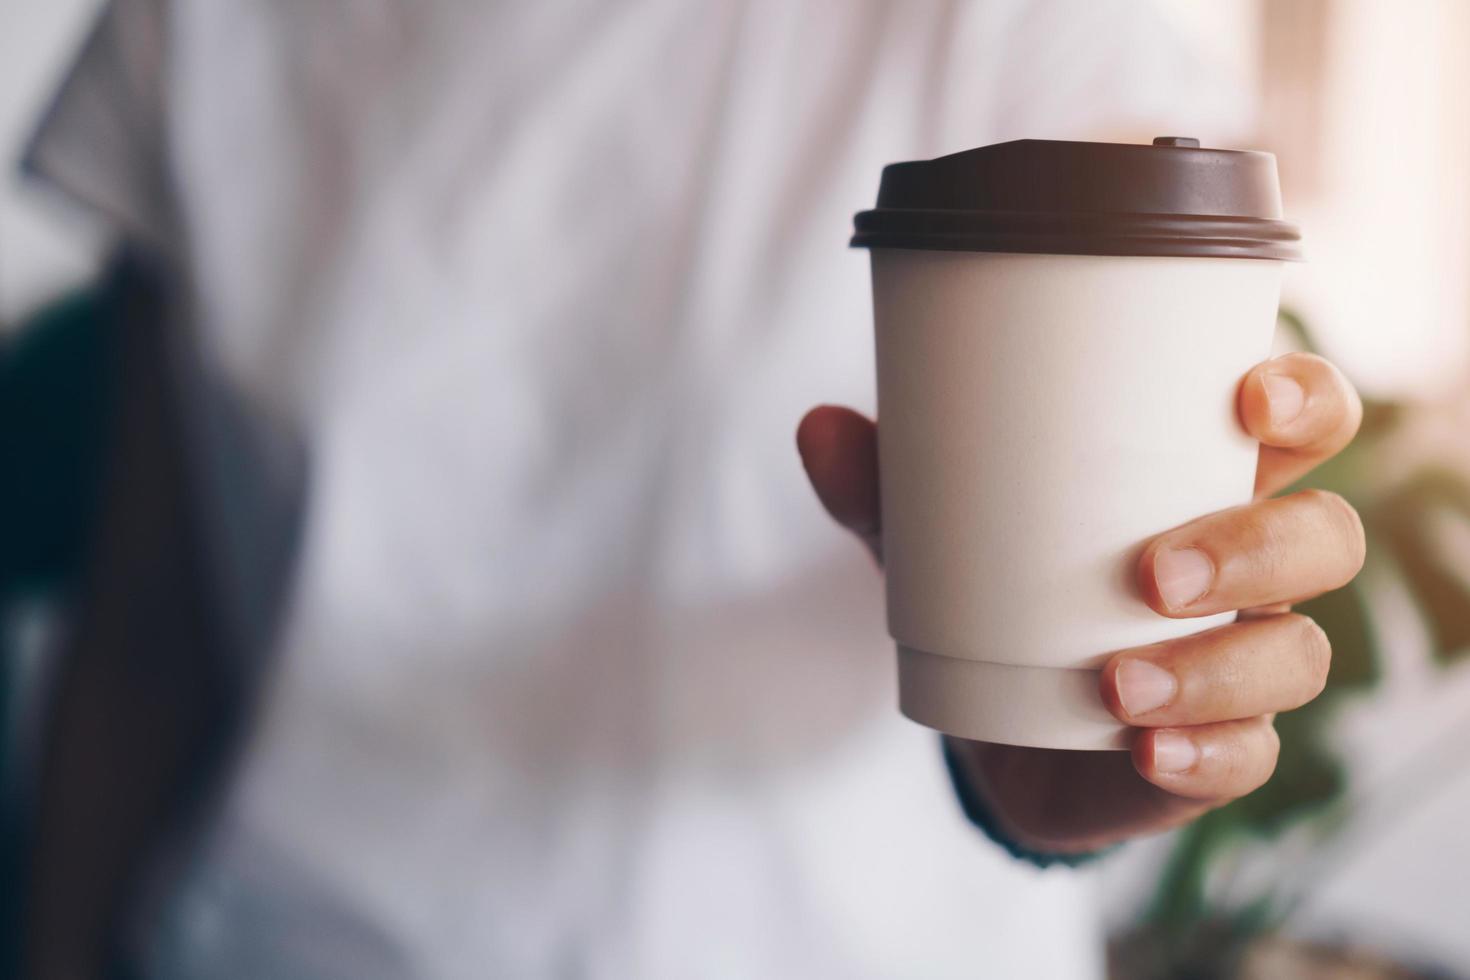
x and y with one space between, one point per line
1171 198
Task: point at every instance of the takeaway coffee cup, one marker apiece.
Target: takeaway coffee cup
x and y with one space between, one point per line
1061 331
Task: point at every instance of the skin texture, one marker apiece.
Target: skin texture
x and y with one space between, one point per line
1204 704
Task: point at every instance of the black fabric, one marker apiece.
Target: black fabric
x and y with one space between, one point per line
168 637
979 814
54 388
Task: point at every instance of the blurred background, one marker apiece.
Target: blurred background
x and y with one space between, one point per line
1354 861
1355 844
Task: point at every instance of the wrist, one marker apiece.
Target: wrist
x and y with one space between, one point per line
990 803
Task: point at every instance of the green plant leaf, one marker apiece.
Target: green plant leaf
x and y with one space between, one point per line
1405 525
1290 321
1344 615
1308 778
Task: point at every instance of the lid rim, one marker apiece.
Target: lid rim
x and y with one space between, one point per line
1079 233
1170 198
1156 249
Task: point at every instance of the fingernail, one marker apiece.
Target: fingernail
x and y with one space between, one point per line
1285 398
1174 752
1143 686
1183 575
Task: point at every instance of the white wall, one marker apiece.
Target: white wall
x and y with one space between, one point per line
42 248
1388 234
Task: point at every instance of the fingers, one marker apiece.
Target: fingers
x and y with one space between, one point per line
1206 701
1233 672
839 449
1279 550
1302 410
1208 762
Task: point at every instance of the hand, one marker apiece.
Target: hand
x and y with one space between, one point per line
1205 703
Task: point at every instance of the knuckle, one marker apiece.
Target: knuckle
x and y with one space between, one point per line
1233 752
1230 677
1354 420
1248 757
1259 756
1316 653
1324 501
1267 551
1270 751
1344 523
1343 392
1273 742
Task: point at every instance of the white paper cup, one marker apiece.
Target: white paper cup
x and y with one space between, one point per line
1040 418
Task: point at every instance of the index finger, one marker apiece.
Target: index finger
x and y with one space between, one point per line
1302 410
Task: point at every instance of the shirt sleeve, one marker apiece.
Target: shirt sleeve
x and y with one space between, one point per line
101 143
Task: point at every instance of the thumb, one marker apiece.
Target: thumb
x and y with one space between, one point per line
839 449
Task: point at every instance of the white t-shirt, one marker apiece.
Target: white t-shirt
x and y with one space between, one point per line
577 679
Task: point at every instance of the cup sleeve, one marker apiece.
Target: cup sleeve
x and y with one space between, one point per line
100 143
